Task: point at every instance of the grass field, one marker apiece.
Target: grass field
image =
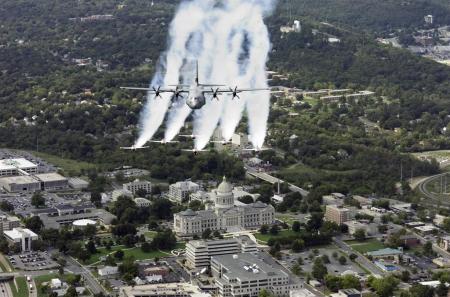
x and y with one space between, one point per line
266 237
69 166
136 252
369 245
42 279
22 287
150 234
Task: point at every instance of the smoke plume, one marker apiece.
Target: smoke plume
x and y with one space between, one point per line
231 43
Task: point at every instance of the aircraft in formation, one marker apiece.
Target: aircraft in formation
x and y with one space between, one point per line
196 98
197 92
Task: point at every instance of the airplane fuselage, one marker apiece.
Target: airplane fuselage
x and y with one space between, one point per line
196 98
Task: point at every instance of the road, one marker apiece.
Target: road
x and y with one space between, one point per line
362 260
90 280
273 180
433 199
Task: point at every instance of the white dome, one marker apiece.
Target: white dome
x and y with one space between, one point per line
83 223
225 187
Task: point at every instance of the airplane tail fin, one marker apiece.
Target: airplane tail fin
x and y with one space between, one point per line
196 72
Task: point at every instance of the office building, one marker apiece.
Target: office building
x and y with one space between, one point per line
19 166
21 237
199 252
78 183
225 216
9 223
336 214
52 181
248 273
25 183
180 191
136 185
163 290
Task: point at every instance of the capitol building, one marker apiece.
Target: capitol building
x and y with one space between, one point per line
225 215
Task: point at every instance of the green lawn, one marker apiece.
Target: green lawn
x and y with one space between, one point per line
150 234
42 279
369 245
136 252
22 287
266 237
69 166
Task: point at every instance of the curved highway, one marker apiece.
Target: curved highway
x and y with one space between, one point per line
432 197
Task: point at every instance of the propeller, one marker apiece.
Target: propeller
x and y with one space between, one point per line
178 94
215 93
157 91
235 93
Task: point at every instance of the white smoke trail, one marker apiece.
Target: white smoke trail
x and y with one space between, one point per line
222 29
180 32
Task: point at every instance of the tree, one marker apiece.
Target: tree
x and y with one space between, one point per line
274 230
96 198
441 290
119 254
35 224
246 199
342 260
37 200
353 256
90 247
206 234
428 248
325 259
71 292
297 245
418 290
296 226
384 287
264 229
146 247
350 281
360 235
297 269
319 270
6 206
333 282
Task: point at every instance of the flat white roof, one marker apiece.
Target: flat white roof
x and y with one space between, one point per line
18 233
49 177
22 163
23 179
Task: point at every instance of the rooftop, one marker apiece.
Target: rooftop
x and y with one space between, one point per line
8 164
163 289
22 179
18 233
50 177
248 266
384 252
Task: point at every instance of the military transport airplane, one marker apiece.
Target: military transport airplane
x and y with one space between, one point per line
197 92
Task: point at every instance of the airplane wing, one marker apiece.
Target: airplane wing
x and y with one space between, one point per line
236 90
152 90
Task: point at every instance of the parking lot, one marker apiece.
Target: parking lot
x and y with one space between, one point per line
32 261
43 166
334 267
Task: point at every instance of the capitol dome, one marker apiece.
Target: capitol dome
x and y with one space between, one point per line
225 187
